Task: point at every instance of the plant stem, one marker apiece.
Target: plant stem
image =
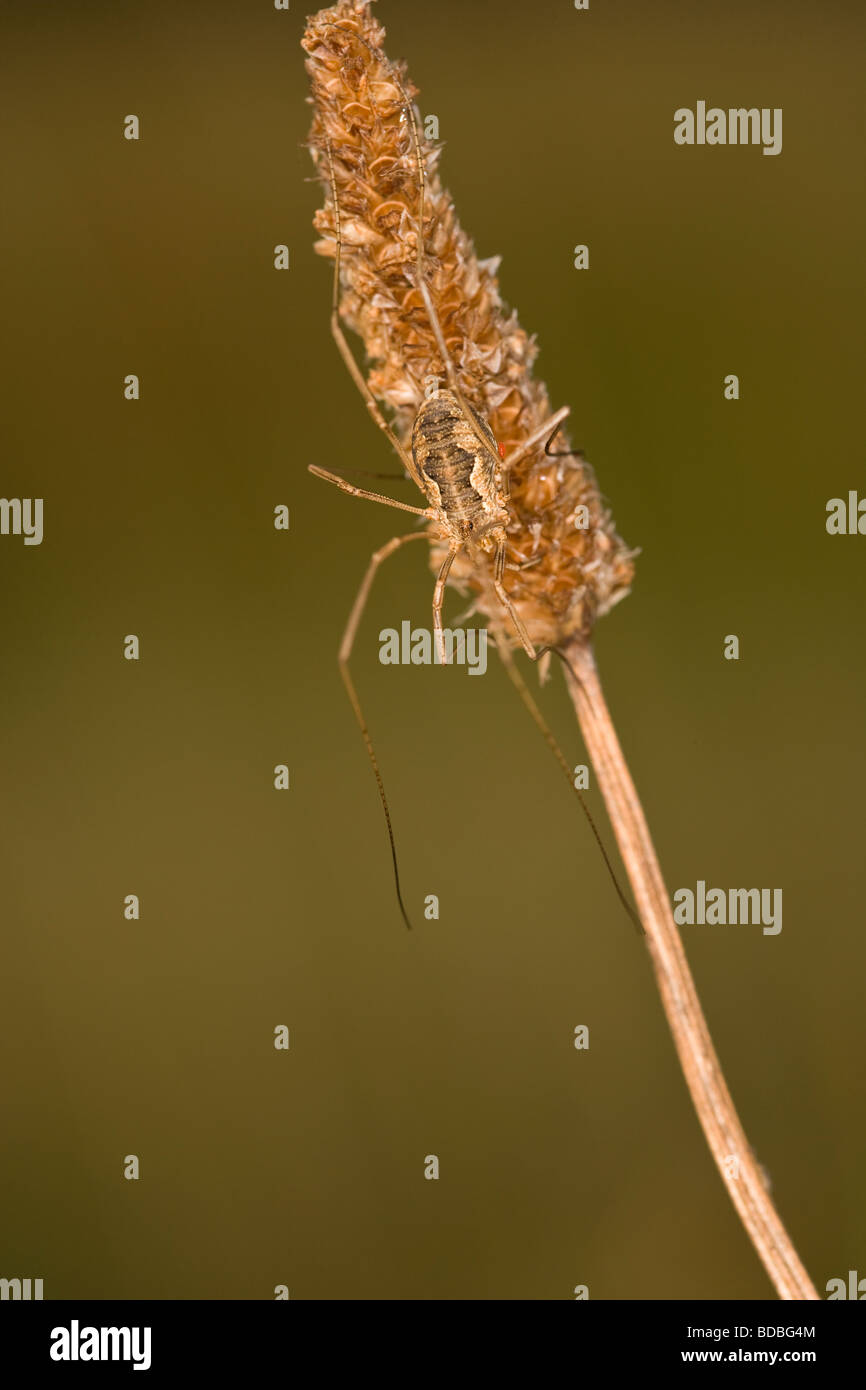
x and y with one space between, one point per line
721 1125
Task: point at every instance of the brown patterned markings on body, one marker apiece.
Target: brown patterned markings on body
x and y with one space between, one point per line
460 475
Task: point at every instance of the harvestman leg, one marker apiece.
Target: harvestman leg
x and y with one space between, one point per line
345 486
348 642
546 732
499 589
345 351
552 424
438 595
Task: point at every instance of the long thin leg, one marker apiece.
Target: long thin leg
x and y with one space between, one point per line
340 338
499 563
569 453
345 653
561 453
369 496
537 435
523 691
438 592
498 571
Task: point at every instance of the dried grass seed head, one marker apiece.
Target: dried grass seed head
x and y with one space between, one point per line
572 572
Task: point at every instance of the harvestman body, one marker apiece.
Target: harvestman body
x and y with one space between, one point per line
456 463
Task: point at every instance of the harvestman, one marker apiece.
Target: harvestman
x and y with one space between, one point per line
456 464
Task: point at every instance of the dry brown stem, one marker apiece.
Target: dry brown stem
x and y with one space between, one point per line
701 1067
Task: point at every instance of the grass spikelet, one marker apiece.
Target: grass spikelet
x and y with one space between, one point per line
574 565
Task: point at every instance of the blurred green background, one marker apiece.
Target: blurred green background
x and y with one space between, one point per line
260 908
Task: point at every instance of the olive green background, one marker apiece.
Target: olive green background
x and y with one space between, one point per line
259 908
